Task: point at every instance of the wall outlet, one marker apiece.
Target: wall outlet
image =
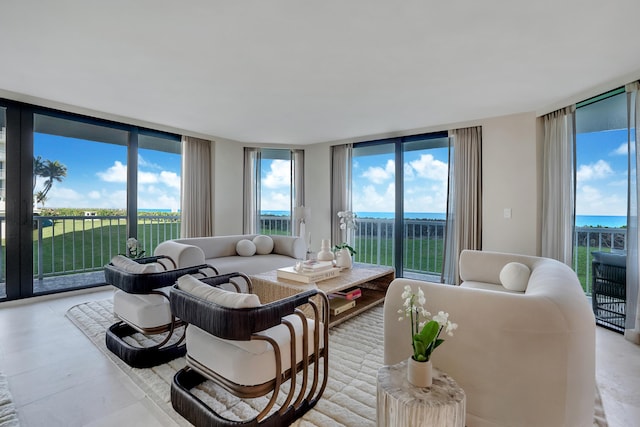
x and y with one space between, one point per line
507 213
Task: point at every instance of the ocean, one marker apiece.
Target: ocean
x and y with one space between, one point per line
609 221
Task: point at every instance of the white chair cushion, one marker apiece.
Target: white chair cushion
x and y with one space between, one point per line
264 244
216 295
247 362
245 247
143 310
515 276
130 266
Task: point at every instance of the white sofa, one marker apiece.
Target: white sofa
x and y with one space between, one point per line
522 358
220 252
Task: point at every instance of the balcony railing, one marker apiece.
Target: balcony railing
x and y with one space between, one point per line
64 245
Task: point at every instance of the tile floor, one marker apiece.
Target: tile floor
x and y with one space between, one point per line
58 378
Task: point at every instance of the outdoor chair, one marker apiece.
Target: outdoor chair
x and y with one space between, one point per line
141 302
246 350
609 289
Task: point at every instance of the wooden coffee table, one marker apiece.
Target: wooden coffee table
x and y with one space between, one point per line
372 280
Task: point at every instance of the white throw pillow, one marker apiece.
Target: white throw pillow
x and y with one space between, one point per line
245 247
515 276
218 296
130 266
264 244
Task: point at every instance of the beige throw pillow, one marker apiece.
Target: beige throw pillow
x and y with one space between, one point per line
130 266
218 296
515 276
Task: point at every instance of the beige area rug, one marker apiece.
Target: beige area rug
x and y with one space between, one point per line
8 413
355 354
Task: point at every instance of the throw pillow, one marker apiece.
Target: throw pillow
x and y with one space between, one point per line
130 266
218 296
264 244
515 276
245 247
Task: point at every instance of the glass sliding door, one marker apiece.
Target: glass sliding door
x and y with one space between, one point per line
159 166
79 201
399 193
3 201
425 177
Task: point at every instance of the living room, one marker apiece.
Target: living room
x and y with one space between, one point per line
88 64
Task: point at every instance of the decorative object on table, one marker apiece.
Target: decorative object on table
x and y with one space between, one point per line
425 335
302 276
302 215
325 253
344 251
133 249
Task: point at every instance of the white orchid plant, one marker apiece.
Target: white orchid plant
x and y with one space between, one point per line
347 222
133 248
425 329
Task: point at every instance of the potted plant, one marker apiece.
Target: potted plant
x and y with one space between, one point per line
425 335
344 251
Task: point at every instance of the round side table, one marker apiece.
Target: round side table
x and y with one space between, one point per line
401 404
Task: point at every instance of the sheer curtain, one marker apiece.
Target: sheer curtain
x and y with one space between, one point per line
251 184
558 185
340 186
632 326
464 200
196 210
297 187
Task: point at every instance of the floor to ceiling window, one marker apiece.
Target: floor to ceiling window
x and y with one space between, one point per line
275 191
76 184
3 201
399 193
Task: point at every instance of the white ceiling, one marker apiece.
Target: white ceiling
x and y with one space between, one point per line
299 72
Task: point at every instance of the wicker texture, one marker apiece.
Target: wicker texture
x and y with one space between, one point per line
609 294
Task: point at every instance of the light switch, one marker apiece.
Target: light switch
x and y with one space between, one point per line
507 213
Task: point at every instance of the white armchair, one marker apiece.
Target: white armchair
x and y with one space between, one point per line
522 358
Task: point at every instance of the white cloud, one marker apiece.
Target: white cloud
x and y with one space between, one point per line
378 175
170 179
275 201
597 170
370 200
591 200
428 167
116 173
93 194
622 149
279 175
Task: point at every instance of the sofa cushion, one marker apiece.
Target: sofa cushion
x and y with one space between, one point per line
218 296
264 244
250 265
245 247
130 266
515 276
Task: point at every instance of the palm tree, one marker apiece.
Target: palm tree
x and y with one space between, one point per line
52 171
38 167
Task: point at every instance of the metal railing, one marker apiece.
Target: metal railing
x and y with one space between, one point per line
73 244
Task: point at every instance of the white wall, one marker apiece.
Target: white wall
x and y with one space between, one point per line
227 160
510 174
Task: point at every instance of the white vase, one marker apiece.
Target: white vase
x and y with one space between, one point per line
325 253
420 374
343 258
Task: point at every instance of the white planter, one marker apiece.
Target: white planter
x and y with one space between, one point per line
419 373
343 258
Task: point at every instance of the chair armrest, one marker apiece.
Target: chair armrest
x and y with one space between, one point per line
233 323
144 283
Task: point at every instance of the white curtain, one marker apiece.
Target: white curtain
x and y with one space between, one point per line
340 187
195 205
558 186
297 187
632 326
464 199
251 184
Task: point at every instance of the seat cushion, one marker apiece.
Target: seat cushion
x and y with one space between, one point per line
144 311
247 362
130 266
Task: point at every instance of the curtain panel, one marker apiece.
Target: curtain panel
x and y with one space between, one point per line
632 309
195 205
464 199
558 185
340 187
297 188
251 191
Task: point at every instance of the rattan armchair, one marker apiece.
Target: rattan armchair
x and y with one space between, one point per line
141 303
248 352
609 289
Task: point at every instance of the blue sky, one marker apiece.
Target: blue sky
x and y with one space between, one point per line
96 175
